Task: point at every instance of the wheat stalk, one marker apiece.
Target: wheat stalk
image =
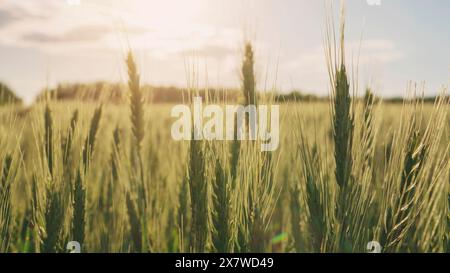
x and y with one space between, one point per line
183 217
198 195
295 208
48 138
221 210
79 189
5 203
447 234
312 171
137 123
135 224
79 209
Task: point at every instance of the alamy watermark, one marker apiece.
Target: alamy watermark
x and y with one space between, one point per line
374 247
73 247
229 122
373 2
73 2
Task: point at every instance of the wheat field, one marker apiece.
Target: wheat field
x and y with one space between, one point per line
347 172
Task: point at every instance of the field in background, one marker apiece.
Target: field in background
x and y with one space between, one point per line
111 177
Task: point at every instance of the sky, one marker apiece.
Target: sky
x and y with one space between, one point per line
46 42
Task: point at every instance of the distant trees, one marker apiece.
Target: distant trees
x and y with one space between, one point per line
117 93
7 96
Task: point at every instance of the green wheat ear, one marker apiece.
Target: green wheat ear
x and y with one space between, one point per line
343 128
54 220
341 102
89 143
115 154
68 141
368 129
136 102
248 75
137 127
413 163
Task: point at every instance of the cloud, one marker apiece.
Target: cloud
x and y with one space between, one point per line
14 12
308 68
56 28
77 34
7 17
217 52
17 11
375 51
